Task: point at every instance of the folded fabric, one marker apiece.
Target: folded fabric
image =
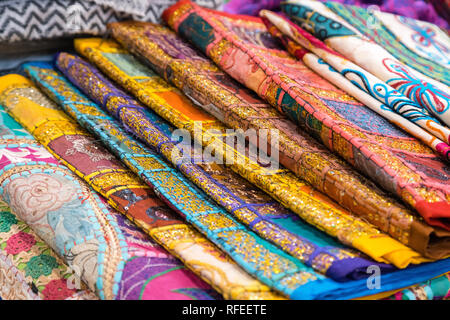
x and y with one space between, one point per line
100 246
304 285
99 229
399 164
417 9
29 269
433 289
46 19
263 260
386 78
406 116
164 51
281 184
250 205
418 44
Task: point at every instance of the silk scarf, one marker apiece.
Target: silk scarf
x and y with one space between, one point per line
400 165
372 67
267 218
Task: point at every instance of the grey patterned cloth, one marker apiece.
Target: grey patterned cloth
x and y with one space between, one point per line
24 20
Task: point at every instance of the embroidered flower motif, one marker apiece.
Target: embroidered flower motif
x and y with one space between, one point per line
19 242
57 290
40 265
32 196
87 146
7 219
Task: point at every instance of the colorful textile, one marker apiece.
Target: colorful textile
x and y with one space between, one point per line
281 184
416 9
196 72
308 284
399 164
77 150
95 241
250 205
409 117
254 254
386 78
420 45
433 289
424 39
29 269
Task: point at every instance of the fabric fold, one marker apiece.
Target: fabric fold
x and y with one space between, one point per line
74 148
399 164
167 54
250 205
308 285
257 256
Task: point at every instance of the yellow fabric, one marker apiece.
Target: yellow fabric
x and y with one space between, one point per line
282 185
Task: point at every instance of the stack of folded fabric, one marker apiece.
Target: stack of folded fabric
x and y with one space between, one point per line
302 154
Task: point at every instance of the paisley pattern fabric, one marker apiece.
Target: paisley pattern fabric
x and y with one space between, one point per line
91 162
387 78
294 194
399 165
250 205
255 255
29 269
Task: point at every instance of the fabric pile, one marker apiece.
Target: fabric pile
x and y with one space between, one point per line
198 154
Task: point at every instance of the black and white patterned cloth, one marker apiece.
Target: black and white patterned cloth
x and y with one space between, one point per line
25 20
